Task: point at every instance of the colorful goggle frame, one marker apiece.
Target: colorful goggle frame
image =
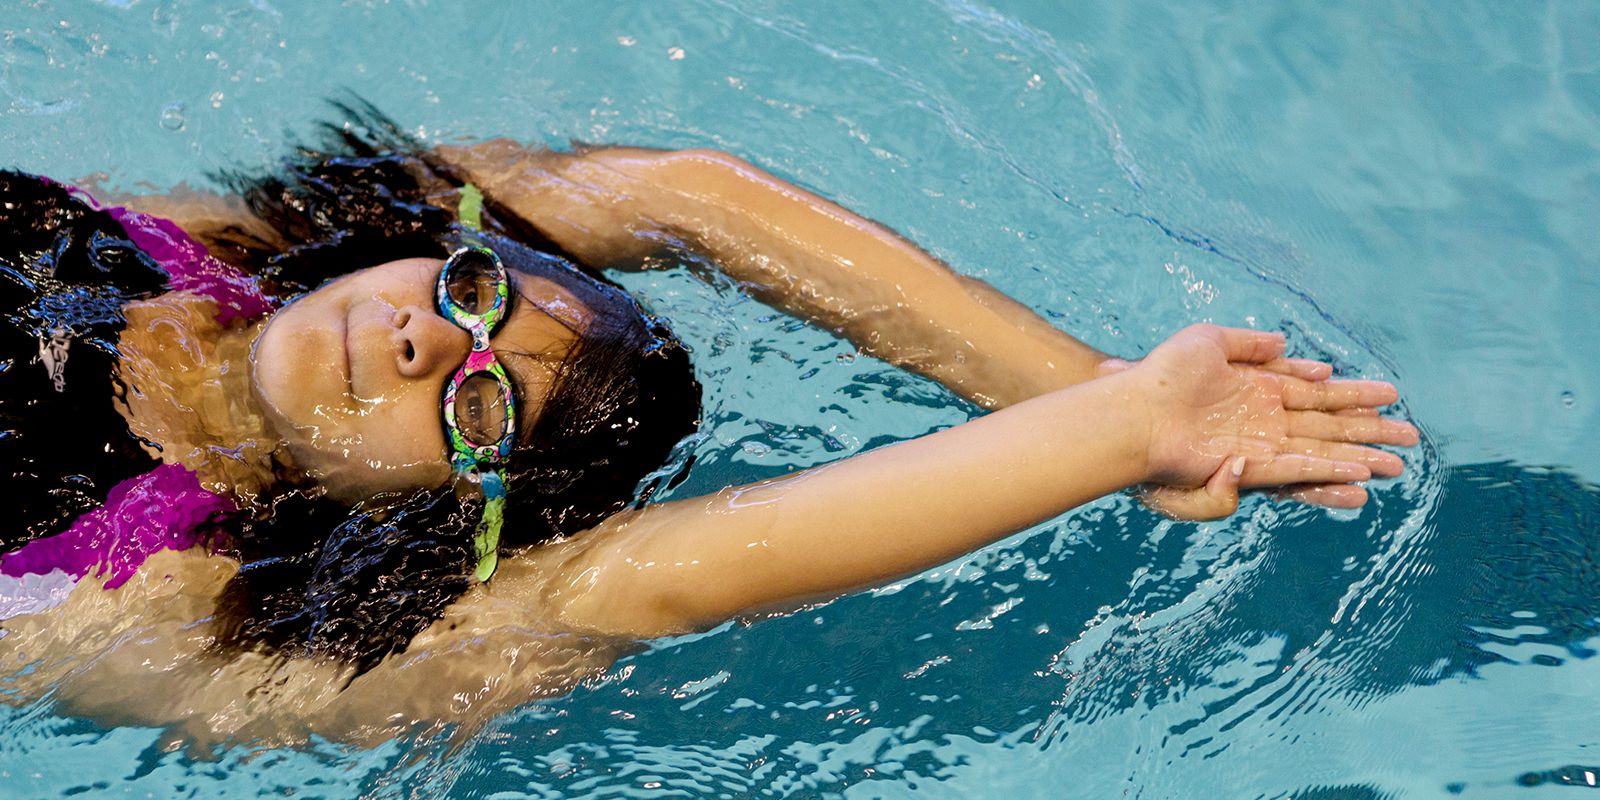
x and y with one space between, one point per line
480 463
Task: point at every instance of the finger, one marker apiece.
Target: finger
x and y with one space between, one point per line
1291 469
1336 395
1358 430
1245 346
1223 487
1382 463
1356 412
1217 499
1184 504
1303 368
1340 495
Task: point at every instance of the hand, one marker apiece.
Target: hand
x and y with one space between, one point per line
1230 412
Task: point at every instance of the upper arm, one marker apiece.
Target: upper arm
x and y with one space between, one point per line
792 249
625 576
603 205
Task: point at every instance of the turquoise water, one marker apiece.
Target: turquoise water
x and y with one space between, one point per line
1410 192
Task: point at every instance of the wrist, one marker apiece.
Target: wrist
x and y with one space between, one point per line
1128 414
1140 417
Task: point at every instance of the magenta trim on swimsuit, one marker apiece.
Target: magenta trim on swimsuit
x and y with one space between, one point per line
162 509
190 267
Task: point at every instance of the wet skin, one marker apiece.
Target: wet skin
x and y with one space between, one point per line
351 375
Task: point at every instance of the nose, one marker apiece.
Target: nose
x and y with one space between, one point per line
428 344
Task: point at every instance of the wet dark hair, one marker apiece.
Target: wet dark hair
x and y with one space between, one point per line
66 271
322 579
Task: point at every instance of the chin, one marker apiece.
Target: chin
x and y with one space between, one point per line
294 370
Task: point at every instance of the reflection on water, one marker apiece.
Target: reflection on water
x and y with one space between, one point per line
1408 190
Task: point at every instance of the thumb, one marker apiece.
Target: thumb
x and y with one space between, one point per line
1217 499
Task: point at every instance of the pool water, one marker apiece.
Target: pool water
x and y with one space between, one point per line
1410 191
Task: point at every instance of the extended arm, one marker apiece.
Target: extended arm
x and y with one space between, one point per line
823 263
687 564
1190 414
794 250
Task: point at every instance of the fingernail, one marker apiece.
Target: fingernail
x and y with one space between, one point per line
1238 466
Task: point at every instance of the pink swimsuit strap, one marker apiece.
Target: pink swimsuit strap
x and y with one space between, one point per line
190 267
163 509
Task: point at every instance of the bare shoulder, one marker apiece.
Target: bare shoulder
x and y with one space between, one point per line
502 644
115 654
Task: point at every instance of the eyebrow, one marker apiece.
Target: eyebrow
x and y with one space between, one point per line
526 421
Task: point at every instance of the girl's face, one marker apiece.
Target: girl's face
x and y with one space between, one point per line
352 375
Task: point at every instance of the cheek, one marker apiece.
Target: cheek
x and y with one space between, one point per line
402 436
411 415
402 426
393 443
381 451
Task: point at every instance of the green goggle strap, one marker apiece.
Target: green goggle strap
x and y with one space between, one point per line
470 210
486 540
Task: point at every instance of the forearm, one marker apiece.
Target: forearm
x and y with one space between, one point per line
872 518
794 250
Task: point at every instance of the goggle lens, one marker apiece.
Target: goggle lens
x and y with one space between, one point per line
481 413
472 281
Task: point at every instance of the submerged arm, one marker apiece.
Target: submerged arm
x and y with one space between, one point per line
794 250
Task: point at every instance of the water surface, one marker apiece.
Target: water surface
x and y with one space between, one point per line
1409 192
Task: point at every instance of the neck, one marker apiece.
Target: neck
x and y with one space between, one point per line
187 392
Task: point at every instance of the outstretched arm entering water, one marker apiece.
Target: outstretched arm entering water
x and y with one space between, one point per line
1186 415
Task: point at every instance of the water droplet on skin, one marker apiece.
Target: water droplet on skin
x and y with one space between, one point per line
1568 399
172 117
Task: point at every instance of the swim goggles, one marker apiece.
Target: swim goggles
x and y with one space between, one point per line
480 408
